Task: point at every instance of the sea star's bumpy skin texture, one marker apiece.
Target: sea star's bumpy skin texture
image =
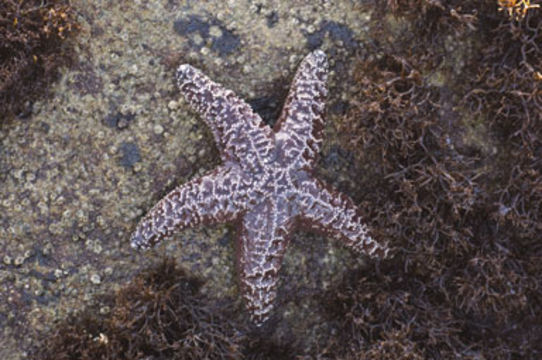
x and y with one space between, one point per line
265 183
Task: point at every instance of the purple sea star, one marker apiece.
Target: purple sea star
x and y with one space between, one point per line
266 183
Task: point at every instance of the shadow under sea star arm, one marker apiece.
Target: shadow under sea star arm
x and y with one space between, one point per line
301 123
214 198
331 213
260 250
240 134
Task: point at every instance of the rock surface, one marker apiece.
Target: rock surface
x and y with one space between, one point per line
115 137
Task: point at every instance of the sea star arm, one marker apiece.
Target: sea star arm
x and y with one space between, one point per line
334 214
214 198
260 250
301 123
240 134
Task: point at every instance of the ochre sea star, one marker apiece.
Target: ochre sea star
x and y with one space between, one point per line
266 182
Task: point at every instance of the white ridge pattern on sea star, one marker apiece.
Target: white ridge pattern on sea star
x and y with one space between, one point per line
265 184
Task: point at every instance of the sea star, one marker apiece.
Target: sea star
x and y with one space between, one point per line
266 183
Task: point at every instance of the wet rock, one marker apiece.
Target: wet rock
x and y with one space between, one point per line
221 40
272 19
118 120
130 154
268 107
85 81
336 31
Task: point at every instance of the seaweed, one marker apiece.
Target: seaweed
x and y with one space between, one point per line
33 35
161 314
464 215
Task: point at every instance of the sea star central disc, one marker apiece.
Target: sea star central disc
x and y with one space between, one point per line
265 184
